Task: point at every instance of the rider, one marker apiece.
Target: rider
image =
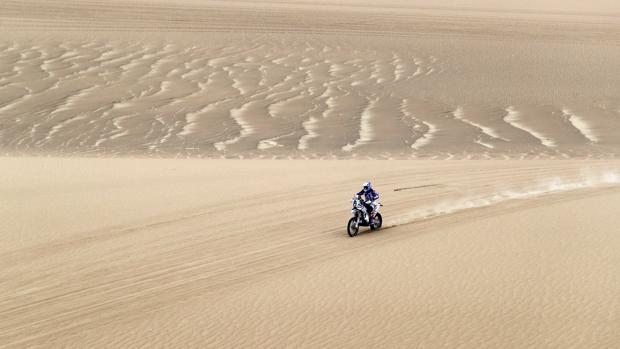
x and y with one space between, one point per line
370 196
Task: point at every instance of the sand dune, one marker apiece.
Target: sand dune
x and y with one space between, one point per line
191 253
314 90
518 250
147 102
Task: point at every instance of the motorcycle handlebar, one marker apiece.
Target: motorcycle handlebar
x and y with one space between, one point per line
358 197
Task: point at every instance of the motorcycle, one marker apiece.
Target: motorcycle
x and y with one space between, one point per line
359 217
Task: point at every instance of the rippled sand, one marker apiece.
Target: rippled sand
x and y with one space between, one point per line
245 80
517 251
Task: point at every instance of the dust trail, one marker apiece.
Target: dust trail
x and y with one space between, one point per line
543 187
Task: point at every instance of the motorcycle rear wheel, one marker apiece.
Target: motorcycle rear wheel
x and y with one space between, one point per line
352 227
377 222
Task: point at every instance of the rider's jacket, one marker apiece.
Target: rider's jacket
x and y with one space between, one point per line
369 194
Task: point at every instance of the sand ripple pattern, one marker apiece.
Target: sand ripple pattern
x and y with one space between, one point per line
217 265
292 97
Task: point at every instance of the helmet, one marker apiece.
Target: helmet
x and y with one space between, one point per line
367 185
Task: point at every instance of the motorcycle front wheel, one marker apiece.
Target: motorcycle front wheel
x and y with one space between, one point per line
352 227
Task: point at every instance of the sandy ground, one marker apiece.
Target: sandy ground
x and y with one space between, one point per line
225 253
276 111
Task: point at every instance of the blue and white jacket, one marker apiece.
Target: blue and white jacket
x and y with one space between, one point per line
369 194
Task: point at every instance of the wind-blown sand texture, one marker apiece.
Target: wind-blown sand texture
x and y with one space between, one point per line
272 79
218 254
518 251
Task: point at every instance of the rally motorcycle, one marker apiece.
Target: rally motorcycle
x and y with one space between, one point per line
360 215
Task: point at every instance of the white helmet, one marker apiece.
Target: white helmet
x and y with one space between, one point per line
366 185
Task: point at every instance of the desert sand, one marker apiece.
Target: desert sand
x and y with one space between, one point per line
244 253
296 80
178 174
